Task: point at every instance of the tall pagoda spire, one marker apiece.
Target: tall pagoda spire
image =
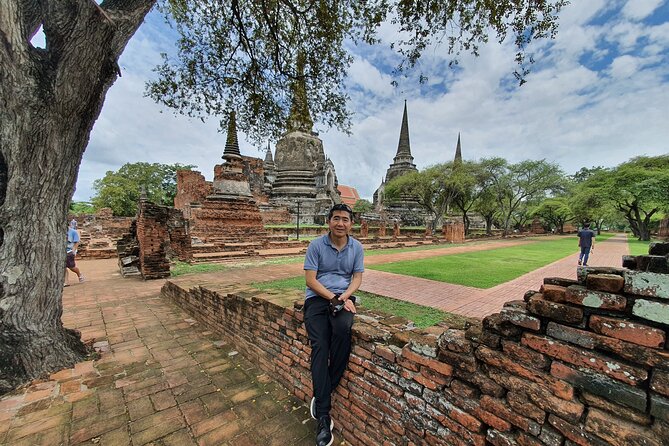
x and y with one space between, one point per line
231 144
268 156
300 117
458 152
404 147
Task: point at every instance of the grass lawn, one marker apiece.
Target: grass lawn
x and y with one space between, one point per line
637 247
420 315
181 268
485 269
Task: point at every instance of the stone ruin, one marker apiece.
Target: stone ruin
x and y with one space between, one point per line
158 234
577 362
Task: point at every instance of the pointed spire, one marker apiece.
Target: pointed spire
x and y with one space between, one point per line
404 147
268 155
300 117
458 152
231 143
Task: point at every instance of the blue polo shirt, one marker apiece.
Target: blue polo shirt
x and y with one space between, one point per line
334 268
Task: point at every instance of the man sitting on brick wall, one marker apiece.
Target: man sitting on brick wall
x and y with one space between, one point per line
333 270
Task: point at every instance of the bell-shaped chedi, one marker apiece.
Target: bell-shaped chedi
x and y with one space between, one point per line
302 171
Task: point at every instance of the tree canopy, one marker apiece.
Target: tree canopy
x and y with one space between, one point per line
243 55
638 188
120 190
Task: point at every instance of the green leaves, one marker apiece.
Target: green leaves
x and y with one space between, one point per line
121 190
242 55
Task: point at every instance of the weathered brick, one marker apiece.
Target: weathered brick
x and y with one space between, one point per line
497 324
385 352
500 438
554 293
619 432
659 407
659 382
455 341
601 385
528 357
555 311
519 402
585 358
646 284
569 410
499 408
560 281
628 331
599 402
652 311
502 361
550 436
579 295
632 352
460 360
610 283
658 248
575 433
482 382
521 318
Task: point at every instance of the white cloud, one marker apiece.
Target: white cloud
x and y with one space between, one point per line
624 66
640 9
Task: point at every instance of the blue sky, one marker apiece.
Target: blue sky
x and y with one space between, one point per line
598 95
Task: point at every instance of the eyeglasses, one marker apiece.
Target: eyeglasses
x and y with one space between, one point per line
342 207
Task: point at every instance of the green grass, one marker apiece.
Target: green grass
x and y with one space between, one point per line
637 247
181 268
485 269
421 316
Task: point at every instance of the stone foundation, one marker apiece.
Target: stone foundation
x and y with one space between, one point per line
576 363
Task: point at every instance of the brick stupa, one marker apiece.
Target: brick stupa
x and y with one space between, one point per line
230 213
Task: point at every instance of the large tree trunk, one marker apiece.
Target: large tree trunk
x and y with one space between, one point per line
49 101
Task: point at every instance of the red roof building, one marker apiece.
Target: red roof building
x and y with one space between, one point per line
349 195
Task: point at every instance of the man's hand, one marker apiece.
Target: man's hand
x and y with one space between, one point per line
349 306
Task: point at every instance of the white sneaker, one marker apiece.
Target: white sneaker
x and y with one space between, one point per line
312 408
82 279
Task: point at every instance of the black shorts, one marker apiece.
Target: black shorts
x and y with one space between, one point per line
69 260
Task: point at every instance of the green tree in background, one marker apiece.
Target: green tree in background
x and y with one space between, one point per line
120 190
81 207
639 189
554 211
430 188
361 206
516 185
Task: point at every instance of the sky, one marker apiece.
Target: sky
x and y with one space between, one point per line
597 95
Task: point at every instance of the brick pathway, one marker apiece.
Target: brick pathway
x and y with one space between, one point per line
164 380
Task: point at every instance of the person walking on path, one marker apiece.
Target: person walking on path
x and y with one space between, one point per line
72 245
333 269
586 241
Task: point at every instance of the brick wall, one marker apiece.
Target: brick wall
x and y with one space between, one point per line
191 187
581 362
161 234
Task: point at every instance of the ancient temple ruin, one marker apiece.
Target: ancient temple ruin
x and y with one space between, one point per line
304 174
406 208
224 211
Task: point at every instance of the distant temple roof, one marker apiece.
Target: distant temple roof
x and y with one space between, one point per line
349 195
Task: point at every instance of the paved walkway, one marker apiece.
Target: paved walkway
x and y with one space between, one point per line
162 379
